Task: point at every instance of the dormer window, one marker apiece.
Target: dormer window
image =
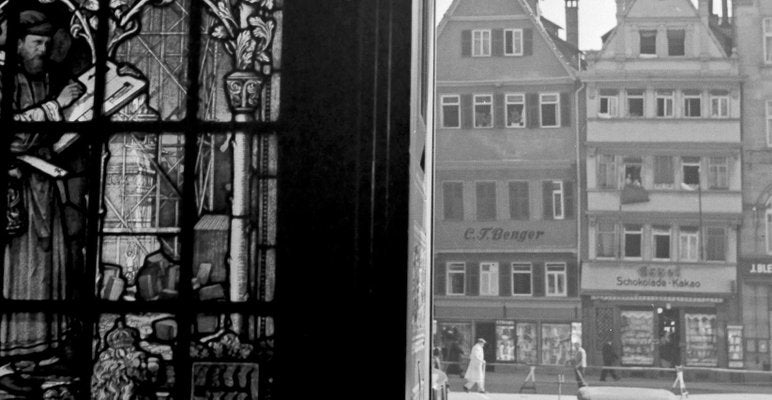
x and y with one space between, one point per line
648 43
676 39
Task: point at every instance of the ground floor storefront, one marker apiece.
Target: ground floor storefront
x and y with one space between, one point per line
756 300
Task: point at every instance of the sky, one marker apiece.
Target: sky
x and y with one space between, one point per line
596 17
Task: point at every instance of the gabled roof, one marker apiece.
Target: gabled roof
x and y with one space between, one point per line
564 56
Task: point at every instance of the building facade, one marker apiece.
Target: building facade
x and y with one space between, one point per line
506 228
664 200
753 22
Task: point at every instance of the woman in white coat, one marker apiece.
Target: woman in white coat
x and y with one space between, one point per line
475 372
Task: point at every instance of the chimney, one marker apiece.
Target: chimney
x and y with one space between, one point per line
725 12
704 9
572 22
621 5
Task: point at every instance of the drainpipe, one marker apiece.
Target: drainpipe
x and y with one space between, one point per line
579 186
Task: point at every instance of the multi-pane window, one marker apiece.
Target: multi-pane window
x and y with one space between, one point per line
660 243
690 173
676 39
483 111
635 103
648 43
665 103
556 279
489 279
692 104
608 104
486 201
688 244
519 208
558 211
513 42
456 278
451 111
607 172
767 22
633 235
453 201
515 109
663 172
768 116
522 279
718 173
481 43
719 106
549 109
632 167
606 240
715 244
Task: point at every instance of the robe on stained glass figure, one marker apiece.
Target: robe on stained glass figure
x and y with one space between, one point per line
37 264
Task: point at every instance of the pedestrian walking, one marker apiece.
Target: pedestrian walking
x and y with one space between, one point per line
475 372
580 363
609 358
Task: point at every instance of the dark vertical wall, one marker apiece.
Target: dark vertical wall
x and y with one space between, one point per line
343 199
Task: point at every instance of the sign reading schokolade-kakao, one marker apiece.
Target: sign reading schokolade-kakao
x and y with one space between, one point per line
758 269
655 277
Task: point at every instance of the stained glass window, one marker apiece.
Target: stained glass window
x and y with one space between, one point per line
139 242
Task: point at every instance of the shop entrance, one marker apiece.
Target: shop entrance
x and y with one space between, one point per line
487 331
669 334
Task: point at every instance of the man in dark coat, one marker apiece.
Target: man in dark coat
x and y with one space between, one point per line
609 357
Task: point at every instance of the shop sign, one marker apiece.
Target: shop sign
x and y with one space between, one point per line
759 269
501 234
659 278
526 235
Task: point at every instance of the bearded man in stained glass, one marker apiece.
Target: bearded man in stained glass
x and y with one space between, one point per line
36 260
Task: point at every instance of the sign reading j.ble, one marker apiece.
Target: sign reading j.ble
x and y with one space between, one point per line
497 234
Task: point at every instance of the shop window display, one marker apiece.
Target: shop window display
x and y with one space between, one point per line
555 343
701 340
505 341
637 334
527 352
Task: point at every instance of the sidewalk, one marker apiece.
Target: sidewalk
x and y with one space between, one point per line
509 396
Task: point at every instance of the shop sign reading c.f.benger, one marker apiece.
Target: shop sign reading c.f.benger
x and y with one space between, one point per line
501 234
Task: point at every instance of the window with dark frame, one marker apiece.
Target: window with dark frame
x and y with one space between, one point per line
692 104
715 244
676 39
453 201
635 103
153 190
648 43
633 240
522 279
456 278
519 200
486 201
451 111
661 242
606 240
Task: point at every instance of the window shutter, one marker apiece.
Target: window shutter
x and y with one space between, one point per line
505 280
565 109
466 111
473 279
572 277
527 42
439 279
466 43
532 106
568 199
498 110
497 42
538 279
547 199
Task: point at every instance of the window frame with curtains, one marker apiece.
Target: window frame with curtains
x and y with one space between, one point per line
457 212
449 102
607 171
676 42
519 200
692 104
612 234
611 106
558 200
513 38
455 268
480 101
545 101
481 43
719 106
689 162
665 100
766 25
647 48
718 173
514 100
661 232
632 230
521 268
664 177
491 277
486 193
688 244
715 244
637 95
553 279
